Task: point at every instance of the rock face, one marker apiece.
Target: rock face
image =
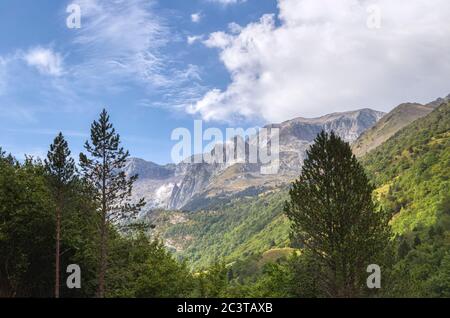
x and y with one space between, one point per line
195 185
155 182
297 135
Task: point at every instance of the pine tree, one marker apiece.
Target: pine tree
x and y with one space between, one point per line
334 218
104 171
61 170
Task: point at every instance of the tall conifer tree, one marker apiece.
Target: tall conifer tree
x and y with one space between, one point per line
61 170
333 217
103 169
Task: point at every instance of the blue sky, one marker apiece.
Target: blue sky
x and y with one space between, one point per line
34 109
158 65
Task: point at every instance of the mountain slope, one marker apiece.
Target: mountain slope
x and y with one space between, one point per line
412 170
398 118
155 182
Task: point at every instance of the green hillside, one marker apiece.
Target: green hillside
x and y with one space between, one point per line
242 228
412 171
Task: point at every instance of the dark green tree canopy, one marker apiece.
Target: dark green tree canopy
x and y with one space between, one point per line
333 215
104 170
59 164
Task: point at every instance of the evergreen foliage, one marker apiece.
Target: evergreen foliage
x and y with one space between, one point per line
61 173
103 170
334 218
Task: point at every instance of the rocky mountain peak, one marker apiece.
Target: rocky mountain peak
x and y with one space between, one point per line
190 184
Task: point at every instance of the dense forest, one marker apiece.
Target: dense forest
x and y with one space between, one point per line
54 213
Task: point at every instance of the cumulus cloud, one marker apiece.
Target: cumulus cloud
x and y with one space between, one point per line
45 60
317 57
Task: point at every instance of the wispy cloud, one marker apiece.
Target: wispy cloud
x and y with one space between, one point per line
121 44
121 40
45 60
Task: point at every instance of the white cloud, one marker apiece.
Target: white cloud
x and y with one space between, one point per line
321 57
196 17
121 40
45 60
124 42
219 40
234 27
194 38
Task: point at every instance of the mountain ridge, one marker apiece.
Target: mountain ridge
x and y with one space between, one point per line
398 118
192 185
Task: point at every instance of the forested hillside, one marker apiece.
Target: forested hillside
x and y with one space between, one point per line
239 229
412 171
27 241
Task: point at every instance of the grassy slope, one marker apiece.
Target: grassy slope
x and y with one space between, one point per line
397 119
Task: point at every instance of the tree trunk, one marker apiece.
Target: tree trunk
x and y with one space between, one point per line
57 252
103 239
103 259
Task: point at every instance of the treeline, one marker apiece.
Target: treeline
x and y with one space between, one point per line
54 213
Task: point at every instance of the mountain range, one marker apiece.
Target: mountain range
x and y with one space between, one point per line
193 186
